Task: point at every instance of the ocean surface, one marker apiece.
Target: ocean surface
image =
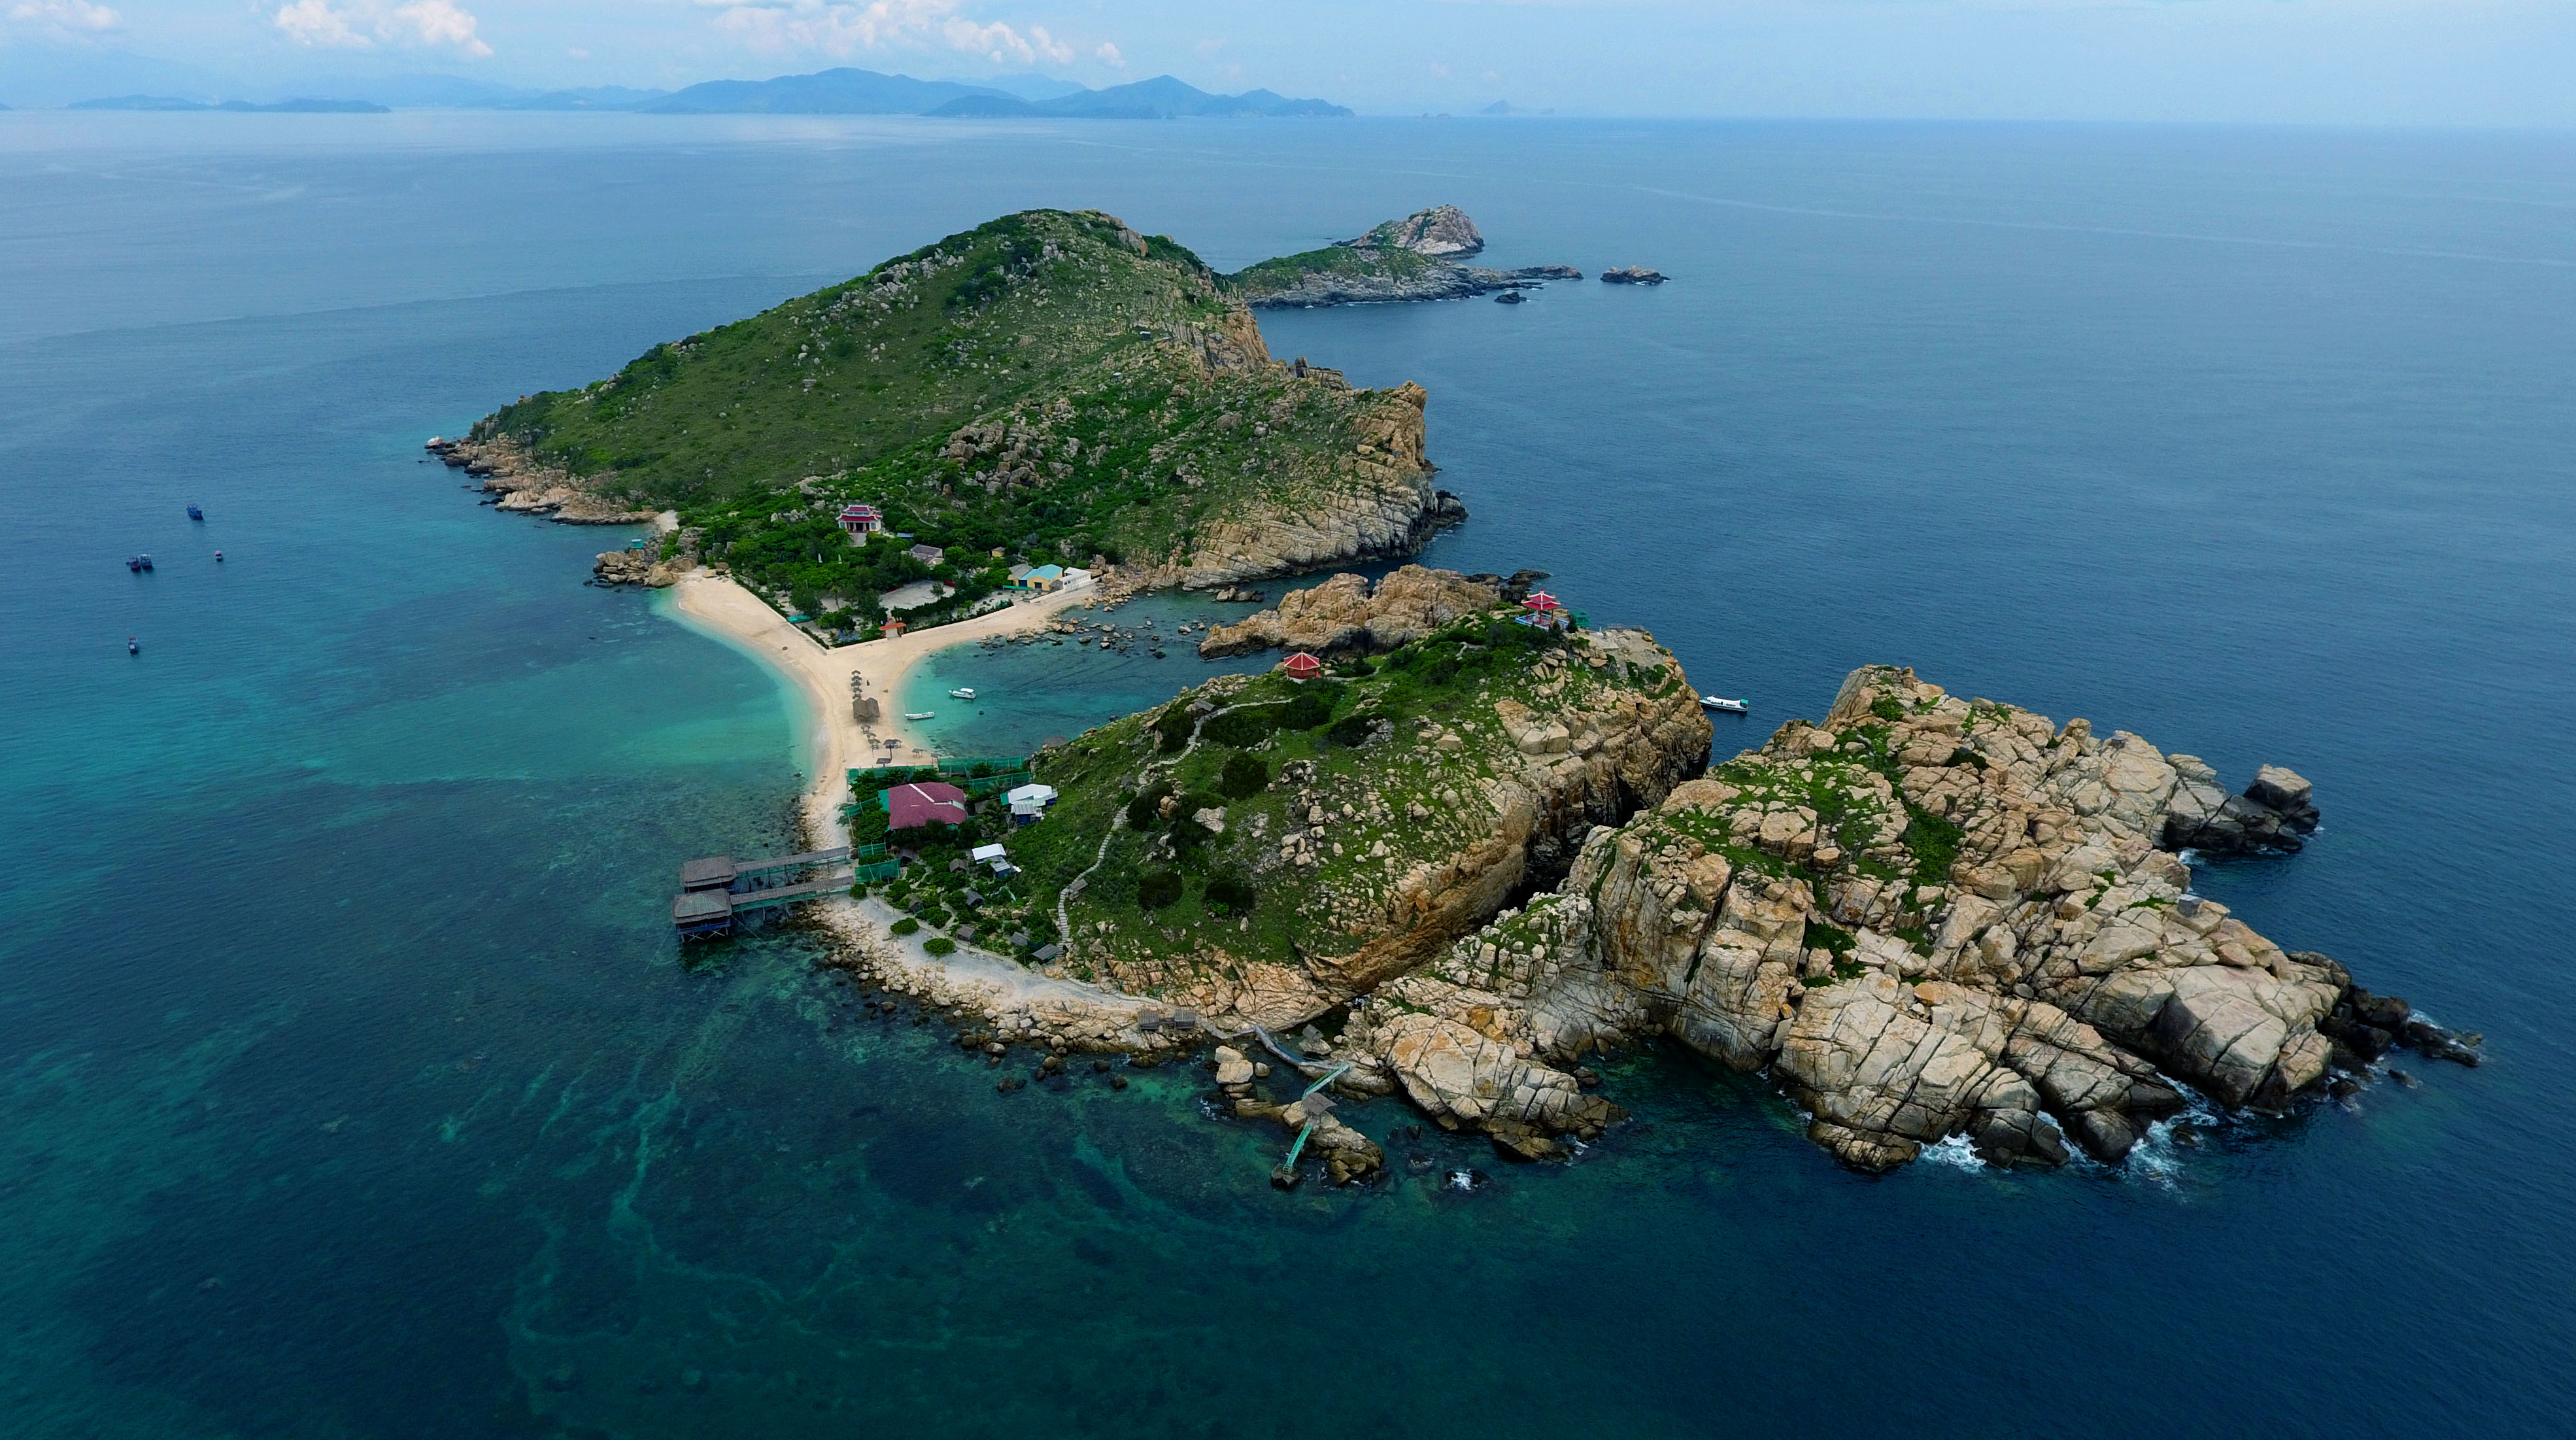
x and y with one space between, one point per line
351 1085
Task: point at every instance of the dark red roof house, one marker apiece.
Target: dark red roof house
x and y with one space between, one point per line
1302 666
926 803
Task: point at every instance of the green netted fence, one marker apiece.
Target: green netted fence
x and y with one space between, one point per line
881 870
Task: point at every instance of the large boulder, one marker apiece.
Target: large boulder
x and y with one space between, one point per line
1348 613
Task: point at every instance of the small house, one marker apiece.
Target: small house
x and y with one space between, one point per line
925 802
1302 666
1042 578
892 629
927 554
1029 802
862 519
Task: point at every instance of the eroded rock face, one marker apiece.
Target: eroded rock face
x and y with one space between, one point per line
1931 917
527 487
1443 232
1347 613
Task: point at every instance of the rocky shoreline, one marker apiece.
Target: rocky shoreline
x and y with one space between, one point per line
1926 919
1439 282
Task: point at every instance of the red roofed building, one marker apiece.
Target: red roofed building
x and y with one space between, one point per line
926 803
1542 601
862 519
1302 666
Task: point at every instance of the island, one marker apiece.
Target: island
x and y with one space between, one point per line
1460 840
1415 258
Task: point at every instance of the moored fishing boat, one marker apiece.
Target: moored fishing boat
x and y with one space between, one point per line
1731 707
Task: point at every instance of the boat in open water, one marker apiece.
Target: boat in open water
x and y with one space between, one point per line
962 692
196 514
1731 707
919 714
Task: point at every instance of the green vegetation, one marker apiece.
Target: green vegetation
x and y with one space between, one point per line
907 926
939 945
1256 820
1046 387
1339 262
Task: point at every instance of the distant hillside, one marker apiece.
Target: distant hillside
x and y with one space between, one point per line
848 91
238 107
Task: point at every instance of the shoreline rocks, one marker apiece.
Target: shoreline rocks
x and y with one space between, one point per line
1632 275
2271 816
1347 612
528 488
1929 918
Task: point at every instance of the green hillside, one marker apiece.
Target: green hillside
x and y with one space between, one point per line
1048 384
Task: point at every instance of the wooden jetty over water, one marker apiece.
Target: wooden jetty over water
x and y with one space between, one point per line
716 888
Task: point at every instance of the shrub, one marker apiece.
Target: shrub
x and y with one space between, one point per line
1146 810
1242 728
1312 707
1231 893
1158 888
1245 775
940 945
1352 729
907 926
1173 725
1887 707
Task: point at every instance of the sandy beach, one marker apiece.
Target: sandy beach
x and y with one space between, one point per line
839 742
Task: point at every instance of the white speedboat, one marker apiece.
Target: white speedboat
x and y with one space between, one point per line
919 714
962 693
1731 707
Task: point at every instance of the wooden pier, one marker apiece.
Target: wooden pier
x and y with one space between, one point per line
716 888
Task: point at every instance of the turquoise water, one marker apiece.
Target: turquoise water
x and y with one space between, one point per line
1055 686
350 1086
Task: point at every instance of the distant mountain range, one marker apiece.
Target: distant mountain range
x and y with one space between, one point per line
830 92
282 107
865 92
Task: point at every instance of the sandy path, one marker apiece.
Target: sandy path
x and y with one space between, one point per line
839 742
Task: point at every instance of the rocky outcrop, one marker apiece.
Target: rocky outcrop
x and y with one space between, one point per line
635 567
1631 275
1931 918
1377 503
1415 258
2273 814
528 487
1433 282
1347 613
1442 232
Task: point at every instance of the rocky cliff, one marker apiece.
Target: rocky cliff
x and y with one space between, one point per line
1317 840
1347 612
1930 917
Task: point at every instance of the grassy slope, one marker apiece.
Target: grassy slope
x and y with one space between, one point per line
1453 678
1060 339
1284 272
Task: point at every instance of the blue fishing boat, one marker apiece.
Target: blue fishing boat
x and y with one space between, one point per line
134 563
196 514
143 561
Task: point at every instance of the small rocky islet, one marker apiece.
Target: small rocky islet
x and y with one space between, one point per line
1477 847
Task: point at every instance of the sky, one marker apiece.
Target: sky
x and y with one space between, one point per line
2402 62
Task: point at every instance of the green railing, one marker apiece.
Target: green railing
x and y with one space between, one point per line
882 870
868 852
957 764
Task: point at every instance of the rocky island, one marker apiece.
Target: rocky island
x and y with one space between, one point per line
1415 258
1461 842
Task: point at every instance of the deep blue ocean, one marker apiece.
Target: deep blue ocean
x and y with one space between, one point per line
351 1085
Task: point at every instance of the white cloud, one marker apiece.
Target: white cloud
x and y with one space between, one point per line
1208 48
839 27
363 24
67 14
1109 55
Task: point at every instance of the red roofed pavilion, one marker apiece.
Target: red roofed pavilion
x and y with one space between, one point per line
1302 666
1542 601
925 803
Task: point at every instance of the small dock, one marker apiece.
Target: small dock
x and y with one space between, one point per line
716 888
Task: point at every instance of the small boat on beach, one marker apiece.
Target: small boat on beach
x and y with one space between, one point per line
919 714
196 514
1731 707
962 692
